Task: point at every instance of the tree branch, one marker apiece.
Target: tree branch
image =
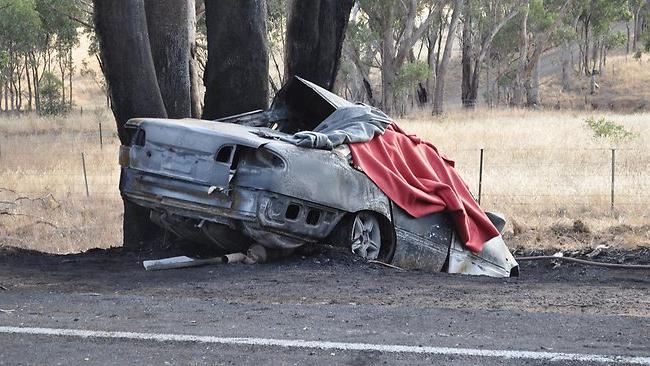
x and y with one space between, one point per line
542 38
408 42
485 46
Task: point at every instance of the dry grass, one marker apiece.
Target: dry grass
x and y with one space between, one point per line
542 169
622 87
42 189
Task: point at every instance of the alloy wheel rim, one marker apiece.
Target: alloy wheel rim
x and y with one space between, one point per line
366 236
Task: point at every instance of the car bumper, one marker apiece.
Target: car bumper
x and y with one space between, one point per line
267 217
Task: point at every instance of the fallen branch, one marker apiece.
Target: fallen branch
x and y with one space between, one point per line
584 261
385 264
42 199
39 220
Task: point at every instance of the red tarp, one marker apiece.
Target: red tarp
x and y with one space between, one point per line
418 179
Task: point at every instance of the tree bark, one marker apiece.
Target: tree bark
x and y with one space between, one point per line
466 58
637 26
519 88
236 74
195 91
472 55
438 96
121 28
532 87
169 40
315 35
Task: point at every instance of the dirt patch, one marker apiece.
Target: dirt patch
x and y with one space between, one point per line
578 236
333 276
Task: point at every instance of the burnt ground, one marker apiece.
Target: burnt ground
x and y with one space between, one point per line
326 295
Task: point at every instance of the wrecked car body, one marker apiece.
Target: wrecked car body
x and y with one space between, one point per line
238 181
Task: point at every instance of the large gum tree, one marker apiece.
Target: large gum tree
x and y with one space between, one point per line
147 50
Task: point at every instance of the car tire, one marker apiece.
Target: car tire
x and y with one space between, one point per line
366 235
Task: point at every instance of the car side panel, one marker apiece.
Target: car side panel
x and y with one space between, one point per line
423 242
317 176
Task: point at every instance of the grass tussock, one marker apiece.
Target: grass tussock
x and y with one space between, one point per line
543 169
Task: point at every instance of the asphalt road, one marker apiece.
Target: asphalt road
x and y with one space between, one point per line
103 308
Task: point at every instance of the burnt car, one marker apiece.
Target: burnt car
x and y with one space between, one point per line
237 181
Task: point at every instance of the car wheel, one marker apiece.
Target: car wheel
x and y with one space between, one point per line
364 235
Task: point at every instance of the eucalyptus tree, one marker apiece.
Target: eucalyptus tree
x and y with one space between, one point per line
314 39
399 25
482 21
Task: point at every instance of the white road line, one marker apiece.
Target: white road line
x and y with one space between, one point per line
344 346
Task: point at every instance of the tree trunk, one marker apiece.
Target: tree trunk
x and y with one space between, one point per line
438 96
432 41
236 74
586 40
466 59
566 66
315 34
519 87
62 70
628 43
121 28
169 40
29 84
388 68
195 91
637 27
70 74
532 87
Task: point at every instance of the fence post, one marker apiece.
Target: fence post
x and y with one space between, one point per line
83 164
480 177
101 139
613 175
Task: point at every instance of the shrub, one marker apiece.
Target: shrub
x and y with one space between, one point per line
50 96
603 128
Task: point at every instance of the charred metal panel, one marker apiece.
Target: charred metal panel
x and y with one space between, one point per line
321 177
295 216
421 242
192 150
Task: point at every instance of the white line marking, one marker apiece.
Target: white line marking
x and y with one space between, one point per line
344 346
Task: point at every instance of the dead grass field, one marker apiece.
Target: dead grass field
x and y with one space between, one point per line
623 87
542 169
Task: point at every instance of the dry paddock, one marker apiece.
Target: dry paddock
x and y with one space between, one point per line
542 169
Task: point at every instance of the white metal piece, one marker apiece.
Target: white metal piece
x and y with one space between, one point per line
495 260
178 262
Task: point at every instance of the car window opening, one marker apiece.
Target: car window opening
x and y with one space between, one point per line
224 154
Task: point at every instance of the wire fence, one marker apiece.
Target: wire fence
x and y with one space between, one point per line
85 165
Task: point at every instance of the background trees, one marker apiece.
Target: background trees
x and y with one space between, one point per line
37 37
395 54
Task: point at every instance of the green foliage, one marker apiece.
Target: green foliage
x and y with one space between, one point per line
35 33
50 93
616 39
411 73
604 129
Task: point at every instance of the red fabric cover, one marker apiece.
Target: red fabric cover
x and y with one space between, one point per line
418 179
